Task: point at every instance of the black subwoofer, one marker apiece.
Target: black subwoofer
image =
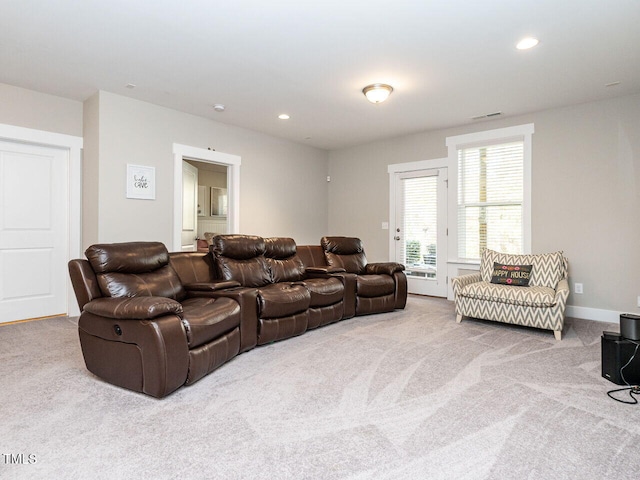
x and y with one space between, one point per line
616 352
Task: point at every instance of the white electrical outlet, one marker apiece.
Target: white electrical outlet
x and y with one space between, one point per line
577 288
385 226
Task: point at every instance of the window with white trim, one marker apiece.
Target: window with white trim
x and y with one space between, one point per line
492 194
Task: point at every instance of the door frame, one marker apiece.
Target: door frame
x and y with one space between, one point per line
400 168
182 152
74 146
183 246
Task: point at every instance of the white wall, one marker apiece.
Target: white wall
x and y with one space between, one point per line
283 189
585 199
29 109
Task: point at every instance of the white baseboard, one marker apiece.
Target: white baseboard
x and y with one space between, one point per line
595 314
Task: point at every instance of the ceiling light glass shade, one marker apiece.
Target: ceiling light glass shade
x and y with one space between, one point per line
378 92
527 43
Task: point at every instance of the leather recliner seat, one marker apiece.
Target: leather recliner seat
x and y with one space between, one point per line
380 287
282 306
198 275
139 327
326 293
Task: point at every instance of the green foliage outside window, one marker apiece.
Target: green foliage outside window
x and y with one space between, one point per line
413 251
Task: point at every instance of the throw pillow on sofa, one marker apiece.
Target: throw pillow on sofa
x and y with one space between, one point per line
548 268
515 275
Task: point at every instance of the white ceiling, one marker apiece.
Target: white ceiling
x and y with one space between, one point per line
447 60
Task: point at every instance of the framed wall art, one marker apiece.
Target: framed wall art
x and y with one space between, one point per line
141 182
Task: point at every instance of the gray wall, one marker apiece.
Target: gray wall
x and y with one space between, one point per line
90 173
211 179
283 188
586 178
25 108
585 192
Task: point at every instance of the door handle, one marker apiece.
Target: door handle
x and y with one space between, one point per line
396 238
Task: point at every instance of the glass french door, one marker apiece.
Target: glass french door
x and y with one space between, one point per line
420 233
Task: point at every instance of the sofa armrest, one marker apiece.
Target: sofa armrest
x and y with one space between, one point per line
386 268
133 308
247 298
324 270
349 280
211 286
458 283
562 289
159 364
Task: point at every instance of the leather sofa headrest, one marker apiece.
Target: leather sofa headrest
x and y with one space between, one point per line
342 245
129 257
280 248
239 247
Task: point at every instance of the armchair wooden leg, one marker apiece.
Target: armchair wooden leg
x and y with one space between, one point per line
458 318
558 334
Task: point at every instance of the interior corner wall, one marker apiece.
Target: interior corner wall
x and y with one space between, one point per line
39 111
585 192
283 188
90 174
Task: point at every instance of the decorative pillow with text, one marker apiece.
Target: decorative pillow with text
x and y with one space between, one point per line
516 275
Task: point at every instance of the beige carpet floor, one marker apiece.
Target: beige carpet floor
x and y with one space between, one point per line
406 395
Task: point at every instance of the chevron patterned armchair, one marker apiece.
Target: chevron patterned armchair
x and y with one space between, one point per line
541 304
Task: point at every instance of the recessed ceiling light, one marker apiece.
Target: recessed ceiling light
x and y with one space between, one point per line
527 43
284 116
218 107
130 85
612 84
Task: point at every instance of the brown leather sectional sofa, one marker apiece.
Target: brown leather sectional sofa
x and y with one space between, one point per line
153 321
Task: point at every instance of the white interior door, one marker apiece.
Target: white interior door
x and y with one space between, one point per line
420 232
189 206
34 231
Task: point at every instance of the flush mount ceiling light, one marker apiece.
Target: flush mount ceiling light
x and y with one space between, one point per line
284 116
527 43
218 107
377 92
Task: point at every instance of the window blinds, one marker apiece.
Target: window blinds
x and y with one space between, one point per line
420 207
490 199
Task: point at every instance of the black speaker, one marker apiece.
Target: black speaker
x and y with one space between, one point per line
616 352
630 326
